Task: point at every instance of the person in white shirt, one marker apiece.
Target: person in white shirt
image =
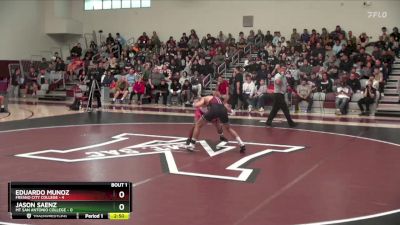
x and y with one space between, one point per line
249 90
343 95
337 47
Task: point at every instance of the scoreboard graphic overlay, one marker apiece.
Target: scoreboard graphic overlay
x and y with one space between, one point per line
70 200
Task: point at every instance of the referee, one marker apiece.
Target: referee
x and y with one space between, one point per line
280 87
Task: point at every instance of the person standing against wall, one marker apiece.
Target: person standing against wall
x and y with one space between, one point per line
236 88
280 87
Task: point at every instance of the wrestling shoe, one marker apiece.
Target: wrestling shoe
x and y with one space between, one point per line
242 149
190 147
222 138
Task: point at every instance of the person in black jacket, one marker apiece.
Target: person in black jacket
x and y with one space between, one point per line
175 90
163 92
369 98
345 63
76 51
354 83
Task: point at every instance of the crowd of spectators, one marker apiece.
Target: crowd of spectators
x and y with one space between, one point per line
327 62
173 71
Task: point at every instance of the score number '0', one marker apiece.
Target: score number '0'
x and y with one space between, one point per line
121 194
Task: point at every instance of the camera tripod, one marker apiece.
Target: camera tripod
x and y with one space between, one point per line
93 88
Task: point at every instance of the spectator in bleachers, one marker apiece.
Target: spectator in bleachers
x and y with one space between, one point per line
186 93
345 50
262 73
193 34
121 88
305 36
121 40
223 88
363 39
175 89
249 90
43 65
76 51
131 77
337 47
343 95
318 50
394 46
368 99
107 79
354 83
155 80
268 37
324 36
163 89
93 46
277 38
193 43
114 67
260 35
304 93
139 89
155 41
384 35
373 81
31 81
251 38
345 63
43 77
377 52
60 65
17 82
261 96
361 56
143 41
395 34
352 38
325 84
171 42
219 58
110 39
379 84
236 88
380 44
294 37
221 36
305 69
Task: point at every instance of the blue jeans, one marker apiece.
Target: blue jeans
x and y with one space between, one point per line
341 104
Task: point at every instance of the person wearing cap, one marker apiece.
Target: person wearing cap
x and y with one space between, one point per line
279 103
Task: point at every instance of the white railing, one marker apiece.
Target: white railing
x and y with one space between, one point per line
221 69
130 41
258 41
247 49
207 81
235 58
